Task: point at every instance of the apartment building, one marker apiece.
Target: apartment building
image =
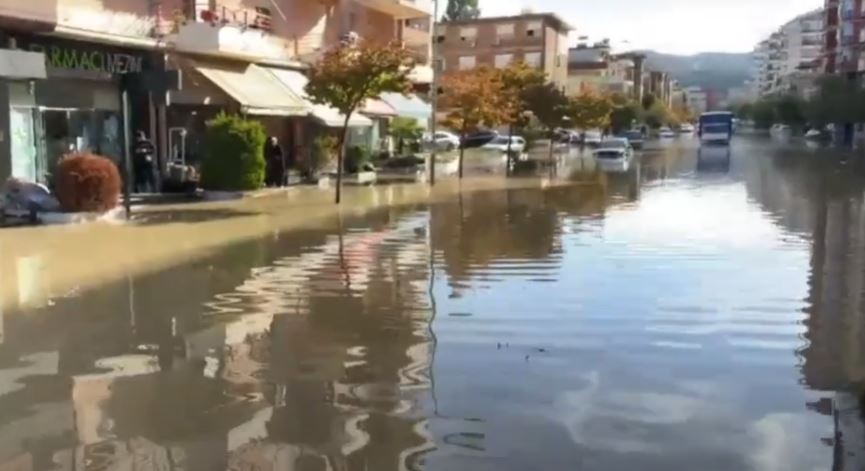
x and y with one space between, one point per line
538 39
844 37
595 69
789 59
67 61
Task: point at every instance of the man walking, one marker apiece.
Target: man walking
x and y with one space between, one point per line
143 163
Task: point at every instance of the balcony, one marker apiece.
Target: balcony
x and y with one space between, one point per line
401 9
227 39
416 36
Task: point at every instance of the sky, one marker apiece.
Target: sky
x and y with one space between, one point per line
671 26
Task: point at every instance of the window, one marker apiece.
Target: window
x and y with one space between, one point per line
533 59
503 60
469 36
467 62
533 29
440 64
505 31
440 38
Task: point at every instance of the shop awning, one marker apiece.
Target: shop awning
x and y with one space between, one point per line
327 115
378 109
257 91
408 106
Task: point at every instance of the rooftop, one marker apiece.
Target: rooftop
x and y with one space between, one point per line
557 22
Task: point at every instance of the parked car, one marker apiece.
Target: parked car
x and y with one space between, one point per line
666 133
479 139
635 138
446 140
500 143
614 154
592 138
686 128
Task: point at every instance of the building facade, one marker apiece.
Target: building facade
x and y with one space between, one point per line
790 58
67 63
540 40
844 37
596 69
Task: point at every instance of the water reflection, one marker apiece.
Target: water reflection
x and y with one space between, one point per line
682 315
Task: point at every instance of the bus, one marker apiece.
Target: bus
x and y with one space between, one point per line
716 127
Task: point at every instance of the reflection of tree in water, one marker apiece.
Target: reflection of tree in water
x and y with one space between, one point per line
483 228
823 200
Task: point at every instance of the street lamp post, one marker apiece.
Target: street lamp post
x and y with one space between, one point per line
435 92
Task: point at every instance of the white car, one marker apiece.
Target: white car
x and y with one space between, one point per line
500 144
686 128
614 154
666 133
446 140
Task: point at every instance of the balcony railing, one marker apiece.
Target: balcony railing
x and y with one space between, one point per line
402 9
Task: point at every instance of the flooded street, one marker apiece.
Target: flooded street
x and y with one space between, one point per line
689 314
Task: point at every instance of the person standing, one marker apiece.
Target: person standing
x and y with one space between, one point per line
275 163
143 163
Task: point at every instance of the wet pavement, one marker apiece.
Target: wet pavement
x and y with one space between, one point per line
697 311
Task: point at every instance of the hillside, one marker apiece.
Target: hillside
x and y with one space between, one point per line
711 70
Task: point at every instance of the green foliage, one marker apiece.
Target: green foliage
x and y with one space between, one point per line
356 157
405 130
657 115
462 10
623 116
648 101
234 154
764 114
324 151
590 111
549 105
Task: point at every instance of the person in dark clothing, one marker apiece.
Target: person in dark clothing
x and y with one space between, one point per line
143 163
275 163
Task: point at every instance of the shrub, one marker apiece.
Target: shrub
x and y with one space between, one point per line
234 154
356 158
87 183
324 150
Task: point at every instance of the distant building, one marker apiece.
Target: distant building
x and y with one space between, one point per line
697 100
538 39
790 58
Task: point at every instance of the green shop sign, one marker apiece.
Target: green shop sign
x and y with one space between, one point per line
86 57
91 61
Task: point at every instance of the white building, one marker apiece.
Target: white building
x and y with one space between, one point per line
697 100
789 59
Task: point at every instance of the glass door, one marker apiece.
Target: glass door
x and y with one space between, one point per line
23 143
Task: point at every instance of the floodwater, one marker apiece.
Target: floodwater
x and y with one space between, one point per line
695 312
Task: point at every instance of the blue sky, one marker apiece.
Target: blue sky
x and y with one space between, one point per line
674 26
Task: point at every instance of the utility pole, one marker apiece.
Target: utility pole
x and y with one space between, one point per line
435 93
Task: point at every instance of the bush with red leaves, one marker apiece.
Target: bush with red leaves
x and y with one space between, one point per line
87 183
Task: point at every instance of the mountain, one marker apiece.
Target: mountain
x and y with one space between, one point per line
710 70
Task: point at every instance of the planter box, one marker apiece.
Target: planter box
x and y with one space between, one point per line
362 178
113 216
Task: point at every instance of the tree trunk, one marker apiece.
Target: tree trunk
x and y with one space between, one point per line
508 159
340 162
462 150
552 145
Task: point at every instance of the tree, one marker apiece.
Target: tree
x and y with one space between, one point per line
657 115
514 79
474 98
764 114
405 129
462 10
590 111
790 110
625 113
550 106
648 101
349 75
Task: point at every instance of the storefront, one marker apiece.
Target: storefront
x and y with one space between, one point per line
76 108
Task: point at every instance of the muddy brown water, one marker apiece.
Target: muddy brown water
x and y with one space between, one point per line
696 311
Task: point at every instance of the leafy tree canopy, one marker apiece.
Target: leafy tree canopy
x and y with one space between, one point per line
462 10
